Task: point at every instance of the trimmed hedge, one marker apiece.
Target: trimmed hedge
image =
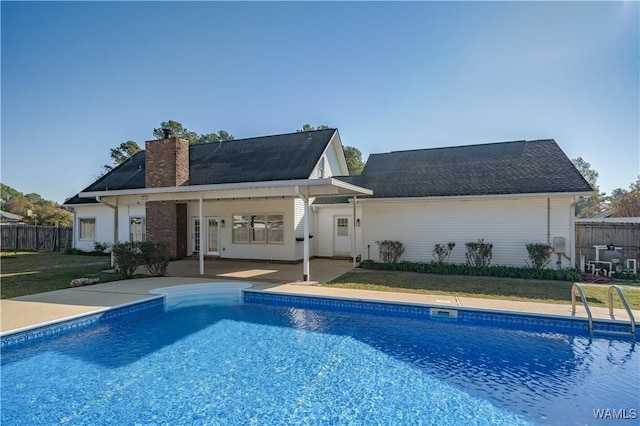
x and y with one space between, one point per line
482 271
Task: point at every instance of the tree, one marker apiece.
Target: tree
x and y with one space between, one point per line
43 212
310 128
7 193
589 206
119 155
354 160
627 203
178 130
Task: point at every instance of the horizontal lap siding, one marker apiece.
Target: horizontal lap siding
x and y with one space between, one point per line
299 228
325 228
226 209
104 225
507 223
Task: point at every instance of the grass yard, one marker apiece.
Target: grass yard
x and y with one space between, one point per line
25 273
558 292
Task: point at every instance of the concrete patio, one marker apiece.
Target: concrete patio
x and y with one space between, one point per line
38 309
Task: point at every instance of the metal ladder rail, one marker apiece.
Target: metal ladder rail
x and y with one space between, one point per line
584 302
623 299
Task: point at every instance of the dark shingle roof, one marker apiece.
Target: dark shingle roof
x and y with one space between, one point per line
266 158
521 167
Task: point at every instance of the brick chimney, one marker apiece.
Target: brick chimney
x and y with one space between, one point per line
167 165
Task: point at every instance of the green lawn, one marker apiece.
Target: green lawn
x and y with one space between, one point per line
25 273
483 287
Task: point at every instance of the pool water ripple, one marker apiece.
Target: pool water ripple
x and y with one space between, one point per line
270 365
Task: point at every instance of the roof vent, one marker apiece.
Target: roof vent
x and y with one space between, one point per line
166 133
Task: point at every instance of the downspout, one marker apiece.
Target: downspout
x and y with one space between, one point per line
305 255
115 222
572 234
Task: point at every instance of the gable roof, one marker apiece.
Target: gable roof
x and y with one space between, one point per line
520 167
266 158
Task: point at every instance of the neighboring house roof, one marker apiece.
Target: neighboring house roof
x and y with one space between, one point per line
520 167
9 217
609 220
267 158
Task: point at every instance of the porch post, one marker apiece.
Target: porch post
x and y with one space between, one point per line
201 236
115 229
353 238
305 261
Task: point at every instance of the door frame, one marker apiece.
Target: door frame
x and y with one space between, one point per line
349 236
195 236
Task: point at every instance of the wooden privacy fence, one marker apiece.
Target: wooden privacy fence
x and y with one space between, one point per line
623 234
36 237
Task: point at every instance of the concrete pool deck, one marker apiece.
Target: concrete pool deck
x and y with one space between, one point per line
38 309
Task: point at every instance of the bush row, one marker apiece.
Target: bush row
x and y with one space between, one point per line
130 256
488 271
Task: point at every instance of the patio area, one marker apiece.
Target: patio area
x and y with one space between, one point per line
322 270
26 312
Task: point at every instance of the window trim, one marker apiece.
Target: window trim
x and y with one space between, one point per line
143 224
248 218
80 228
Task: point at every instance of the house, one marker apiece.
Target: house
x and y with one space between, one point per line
289 197
7 218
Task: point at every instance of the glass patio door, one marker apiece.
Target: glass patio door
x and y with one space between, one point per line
211 236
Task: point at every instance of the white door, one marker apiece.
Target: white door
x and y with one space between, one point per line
342 235
211 236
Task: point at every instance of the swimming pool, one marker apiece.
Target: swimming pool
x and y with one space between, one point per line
278 359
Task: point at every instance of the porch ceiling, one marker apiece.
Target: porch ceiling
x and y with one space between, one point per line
313 188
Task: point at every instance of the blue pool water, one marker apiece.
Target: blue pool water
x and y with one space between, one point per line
264 364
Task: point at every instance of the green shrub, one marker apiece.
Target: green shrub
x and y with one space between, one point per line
479 253
390 251
155 258
127 258
572 275
441 252
100 247
539 254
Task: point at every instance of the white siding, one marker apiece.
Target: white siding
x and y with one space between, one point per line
104 225
324 232
333 157
508 223
230 250
299 228
125 211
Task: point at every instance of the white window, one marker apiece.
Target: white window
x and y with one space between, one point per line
87 228
136 229
258 228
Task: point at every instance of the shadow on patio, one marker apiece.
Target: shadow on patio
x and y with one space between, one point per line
320 270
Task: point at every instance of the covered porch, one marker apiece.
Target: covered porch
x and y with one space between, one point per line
162 204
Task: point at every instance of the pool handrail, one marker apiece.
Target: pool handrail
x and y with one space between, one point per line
584 302
623 299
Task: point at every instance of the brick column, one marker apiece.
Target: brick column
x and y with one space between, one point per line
166 165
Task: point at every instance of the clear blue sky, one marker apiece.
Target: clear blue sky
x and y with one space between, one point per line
80 78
